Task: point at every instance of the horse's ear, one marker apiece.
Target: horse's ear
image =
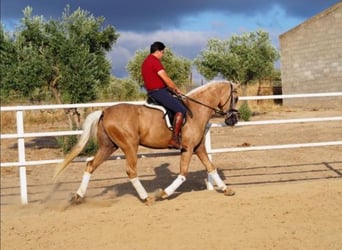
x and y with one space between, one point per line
236 85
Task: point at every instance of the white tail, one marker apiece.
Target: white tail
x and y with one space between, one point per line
89 130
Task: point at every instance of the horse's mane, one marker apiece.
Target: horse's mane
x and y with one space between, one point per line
206 87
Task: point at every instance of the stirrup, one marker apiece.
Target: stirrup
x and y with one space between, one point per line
175 145
181 147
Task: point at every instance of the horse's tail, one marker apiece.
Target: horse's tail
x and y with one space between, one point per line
89 131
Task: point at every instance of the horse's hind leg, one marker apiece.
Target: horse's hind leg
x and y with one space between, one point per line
106 148
99 158
131 170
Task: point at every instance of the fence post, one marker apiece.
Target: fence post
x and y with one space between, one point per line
21 156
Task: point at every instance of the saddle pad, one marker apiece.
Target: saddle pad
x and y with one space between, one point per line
162 109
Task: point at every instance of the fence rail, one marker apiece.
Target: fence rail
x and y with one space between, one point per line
21 135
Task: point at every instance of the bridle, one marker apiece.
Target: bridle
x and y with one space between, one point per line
232 113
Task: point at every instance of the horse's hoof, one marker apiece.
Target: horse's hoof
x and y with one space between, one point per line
229 192
160 194
75 199
149 201
164 195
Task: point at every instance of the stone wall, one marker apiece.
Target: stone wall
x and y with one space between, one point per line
311 59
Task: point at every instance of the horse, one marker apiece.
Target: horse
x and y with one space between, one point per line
128 125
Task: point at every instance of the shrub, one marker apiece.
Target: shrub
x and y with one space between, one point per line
245 112
67 143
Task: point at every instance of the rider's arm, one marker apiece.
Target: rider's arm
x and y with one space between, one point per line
169 83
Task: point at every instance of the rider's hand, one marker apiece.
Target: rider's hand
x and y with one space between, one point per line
177 91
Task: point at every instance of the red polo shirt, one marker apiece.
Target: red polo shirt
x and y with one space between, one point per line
149 71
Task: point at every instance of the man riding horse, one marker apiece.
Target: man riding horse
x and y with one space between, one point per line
160 88
126 126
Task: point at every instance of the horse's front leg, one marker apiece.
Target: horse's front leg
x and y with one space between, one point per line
184 168
202 154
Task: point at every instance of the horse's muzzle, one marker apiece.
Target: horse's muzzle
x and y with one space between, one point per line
232 117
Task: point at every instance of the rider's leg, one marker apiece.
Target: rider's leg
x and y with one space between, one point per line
175 141
166 99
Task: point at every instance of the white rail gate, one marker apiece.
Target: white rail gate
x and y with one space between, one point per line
21 135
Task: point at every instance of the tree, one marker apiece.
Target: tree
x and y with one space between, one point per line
7 59
65 57
243 58
178 68
121 90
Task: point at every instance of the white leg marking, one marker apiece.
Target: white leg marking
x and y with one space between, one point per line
217 179
209 183
84 184
174 185
139 187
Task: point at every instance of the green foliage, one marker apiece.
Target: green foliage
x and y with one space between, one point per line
178 68
7 58
121 90
245 111
243 58
134 66
91 148
67 143
66 57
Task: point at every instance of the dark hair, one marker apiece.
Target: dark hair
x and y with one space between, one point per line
156 46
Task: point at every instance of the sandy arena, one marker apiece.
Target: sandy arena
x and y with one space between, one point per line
285 199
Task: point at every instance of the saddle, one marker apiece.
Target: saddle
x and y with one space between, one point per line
167 115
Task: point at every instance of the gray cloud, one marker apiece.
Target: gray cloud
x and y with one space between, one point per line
139 23
149 15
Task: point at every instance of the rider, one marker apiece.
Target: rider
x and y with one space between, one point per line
160 87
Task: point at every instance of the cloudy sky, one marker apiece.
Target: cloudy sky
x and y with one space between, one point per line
183 25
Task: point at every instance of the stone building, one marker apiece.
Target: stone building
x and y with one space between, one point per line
311 59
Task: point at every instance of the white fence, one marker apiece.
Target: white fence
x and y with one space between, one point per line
21 135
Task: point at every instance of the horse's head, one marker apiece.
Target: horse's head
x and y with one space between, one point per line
221 97
229 104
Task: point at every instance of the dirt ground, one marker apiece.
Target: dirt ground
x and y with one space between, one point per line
285 199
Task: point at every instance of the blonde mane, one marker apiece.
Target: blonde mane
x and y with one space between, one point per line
205 87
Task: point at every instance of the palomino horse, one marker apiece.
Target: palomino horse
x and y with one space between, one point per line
126 126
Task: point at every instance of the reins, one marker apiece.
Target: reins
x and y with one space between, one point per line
217 111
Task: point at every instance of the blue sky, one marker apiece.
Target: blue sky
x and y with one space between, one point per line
183 25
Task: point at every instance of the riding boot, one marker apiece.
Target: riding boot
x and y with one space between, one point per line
175 141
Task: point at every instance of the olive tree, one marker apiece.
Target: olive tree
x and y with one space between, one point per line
242 58
64 57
